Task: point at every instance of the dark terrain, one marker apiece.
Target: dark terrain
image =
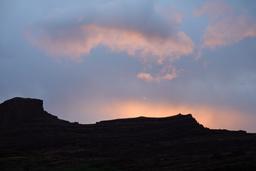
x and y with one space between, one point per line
32 139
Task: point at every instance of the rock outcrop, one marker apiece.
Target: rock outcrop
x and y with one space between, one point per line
20 111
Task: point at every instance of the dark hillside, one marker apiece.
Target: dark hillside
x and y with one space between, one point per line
33 139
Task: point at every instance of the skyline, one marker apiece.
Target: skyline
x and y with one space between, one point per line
97 60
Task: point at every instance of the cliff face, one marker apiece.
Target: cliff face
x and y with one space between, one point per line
18 112
32 138
24 106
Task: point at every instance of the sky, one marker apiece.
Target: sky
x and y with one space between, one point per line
106 59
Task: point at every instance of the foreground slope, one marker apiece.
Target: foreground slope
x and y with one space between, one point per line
33 139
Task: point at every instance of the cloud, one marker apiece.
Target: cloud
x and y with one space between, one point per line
226 26
167 73
145 76
118 40
150 34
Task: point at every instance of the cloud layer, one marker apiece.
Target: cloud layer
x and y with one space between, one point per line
226 26
152 35
132 42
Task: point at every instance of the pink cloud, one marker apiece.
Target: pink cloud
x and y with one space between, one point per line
214 9
167 73
132 42
151 35
149 48
226 26
145 76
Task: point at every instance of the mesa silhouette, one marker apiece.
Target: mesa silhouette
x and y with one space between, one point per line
33 139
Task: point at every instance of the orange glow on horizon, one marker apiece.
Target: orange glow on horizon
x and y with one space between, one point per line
209 116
